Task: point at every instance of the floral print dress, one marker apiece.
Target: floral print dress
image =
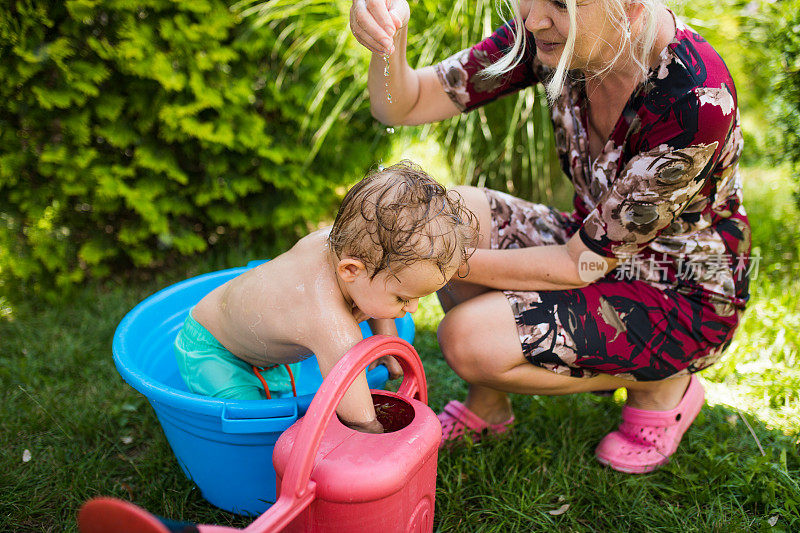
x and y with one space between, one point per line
663 196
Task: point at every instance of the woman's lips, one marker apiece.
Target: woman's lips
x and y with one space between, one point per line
546 46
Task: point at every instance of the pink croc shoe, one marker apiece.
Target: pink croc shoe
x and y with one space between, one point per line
645 439
457 420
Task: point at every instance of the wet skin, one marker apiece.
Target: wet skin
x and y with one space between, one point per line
309 301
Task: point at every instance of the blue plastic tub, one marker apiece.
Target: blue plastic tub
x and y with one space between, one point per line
224 446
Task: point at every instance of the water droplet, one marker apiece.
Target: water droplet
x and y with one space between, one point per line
381 168
389 130
386 75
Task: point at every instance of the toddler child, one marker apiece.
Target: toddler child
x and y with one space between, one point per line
399 235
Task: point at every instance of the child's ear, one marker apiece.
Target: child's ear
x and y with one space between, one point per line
349 269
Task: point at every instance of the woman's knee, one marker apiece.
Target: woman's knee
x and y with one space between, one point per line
453 333
478 341
463 350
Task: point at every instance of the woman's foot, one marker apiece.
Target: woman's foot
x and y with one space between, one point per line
458 421
646 438
658 395
485 411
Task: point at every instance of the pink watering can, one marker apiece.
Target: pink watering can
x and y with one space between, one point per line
331 477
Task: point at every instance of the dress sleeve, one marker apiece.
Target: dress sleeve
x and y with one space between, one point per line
674 157
461 78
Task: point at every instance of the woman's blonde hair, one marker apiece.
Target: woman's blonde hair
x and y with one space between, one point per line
641 44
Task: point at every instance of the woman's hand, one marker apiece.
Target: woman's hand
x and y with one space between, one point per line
375 23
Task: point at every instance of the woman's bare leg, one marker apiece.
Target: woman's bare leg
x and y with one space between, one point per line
479 340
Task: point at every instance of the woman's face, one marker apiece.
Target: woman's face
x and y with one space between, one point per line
597 35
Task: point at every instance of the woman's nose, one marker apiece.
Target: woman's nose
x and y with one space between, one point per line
536 18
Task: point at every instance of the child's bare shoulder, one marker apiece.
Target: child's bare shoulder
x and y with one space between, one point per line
314 302
306 270
305 278
287 306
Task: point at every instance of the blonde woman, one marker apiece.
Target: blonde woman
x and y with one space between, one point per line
644 283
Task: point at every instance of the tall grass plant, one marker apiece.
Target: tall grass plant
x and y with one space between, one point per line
508 145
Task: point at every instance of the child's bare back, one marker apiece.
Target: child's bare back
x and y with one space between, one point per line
281 310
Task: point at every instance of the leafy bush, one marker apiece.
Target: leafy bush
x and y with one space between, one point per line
131 132
760 42
783 23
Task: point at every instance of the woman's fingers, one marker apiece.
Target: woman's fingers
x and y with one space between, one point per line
400 13
369 42
397 22
380 13
367 29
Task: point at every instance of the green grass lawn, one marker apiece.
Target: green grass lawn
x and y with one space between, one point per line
88 433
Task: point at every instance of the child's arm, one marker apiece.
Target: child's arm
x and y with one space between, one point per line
386 326
356 409
382 326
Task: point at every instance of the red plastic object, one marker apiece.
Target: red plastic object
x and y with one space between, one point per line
333 478
106 515
110 515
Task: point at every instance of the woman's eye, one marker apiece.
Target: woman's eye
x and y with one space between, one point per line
559 5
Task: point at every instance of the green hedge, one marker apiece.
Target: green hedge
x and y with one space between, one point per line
134 131
783 23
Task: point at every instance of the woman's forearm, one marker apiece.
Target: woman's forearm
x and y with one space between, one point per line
525 269
392 96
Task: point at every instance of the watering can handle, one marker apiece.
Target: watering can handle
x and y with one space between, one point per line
297 489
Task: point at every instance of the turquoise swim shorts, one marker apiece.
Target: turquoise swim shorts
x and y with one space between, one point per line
208 368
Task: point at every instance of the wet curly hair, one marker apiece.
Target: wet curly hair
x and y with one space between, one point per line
399 215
